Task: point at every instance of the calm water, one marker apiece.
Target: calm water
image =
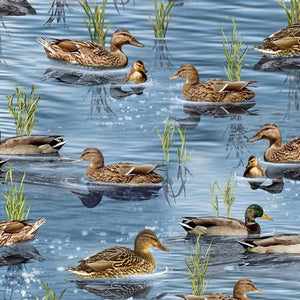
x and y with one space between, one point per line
81 219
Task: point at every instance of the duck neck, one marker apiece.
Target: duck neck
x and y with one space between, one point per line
239 294
96 163
276 142
191 79
144 252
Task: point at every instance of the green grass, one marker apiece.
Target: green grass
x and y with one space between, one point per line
292 13
214 198
197 266
24 110
95 22
15 199
183 156
50 294
162 18
235 51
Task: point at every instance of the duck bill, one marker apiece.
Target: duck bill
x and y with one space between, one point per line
174 76
136 43
254 138
145 71
257 291
266 217
162 247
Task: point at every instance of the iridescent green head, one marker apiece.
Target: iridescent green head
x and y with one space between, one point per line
255 211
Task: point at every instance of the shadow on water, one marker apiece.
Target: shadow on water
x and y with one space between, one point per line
122 4
16 8
271 64
57 12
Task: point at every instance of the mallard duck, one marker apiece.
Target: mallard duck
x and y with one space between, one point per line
289 152
122 261
137 73
241 288
89 53
118 172
212 90
12 232
31 144
284 42
284 243
253 168
226 226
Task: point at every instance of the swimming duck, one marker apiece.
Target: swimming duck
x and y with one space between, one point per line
31 144
89 53
137 73
253 168
12 232
226 226
212 90
277 153
285 42
121 261
284 243
241 288
118 172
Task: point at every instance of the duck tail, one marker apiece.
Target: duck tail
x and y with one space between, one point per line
186 226
246 244
261 49
45 44
57 142
36 225
3 161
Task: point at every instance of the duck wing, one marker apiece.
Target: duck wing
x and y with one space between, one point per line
222 85
130 169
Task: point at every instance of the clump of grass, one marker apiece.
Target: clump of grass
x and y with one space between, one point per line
50 294
182 152
95 22
214 198
15 198
293 14
162 18
197 266
235 51
24 110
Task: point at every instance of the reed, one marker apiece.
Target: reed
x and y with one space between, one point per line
235 51
95 22
214 198
183 156
24 110
292 13
15 198
50 294
162 18
197 266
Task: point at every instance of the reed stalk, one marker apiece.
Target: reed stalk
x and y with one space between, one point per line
292 13
183 156
214 199
50 294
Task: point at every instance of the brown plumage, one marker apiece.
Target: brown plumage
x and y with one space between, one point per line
285 42
277 153
212 90
241 288
122 261
31 144
118 172
12 232
253 168
89 53
138 73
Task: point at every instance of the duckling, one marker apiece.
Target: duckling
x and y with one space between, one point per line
89 53
137 73
277 153
241 288
253 168
121 261
212 90
31 144
285 42
12 232
284 243
226 226
119 172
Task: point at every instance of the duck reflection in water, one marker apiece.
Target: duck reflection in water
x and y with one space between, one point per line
16 8
277 63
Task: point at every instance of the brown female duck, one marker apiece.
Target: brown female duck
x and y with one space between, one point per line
118 172
212 90
89 53
122 261
226 226
253 168
12 232
289 152
240 290
138 73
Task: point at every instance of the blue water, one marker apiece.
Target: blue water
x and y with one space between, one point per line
124 129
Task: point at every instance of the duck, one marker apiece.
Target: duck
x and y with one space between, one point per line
89 53
31 144
12 232
282 243
212 90
226 226
240 289
277 153
121 261
285 42
138 73
253 168
120 172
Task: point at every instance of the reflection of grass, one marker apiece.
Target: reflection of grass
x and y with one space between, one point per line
50 294
292 14
57 11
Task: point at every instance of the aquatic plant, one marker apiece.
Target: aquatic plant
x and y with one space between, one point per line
24 111
293 14
235 51
15 198
50 294
214 198
182 152
197 266
162 18
96 21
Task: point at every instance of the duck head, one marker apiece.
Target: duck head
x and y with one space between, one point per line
269 132
252 162
189 72
255 211
123 37
139 66
244 286
93 155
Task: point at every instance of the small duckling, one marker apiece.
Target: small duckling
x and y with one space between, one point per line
253 168
137 73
